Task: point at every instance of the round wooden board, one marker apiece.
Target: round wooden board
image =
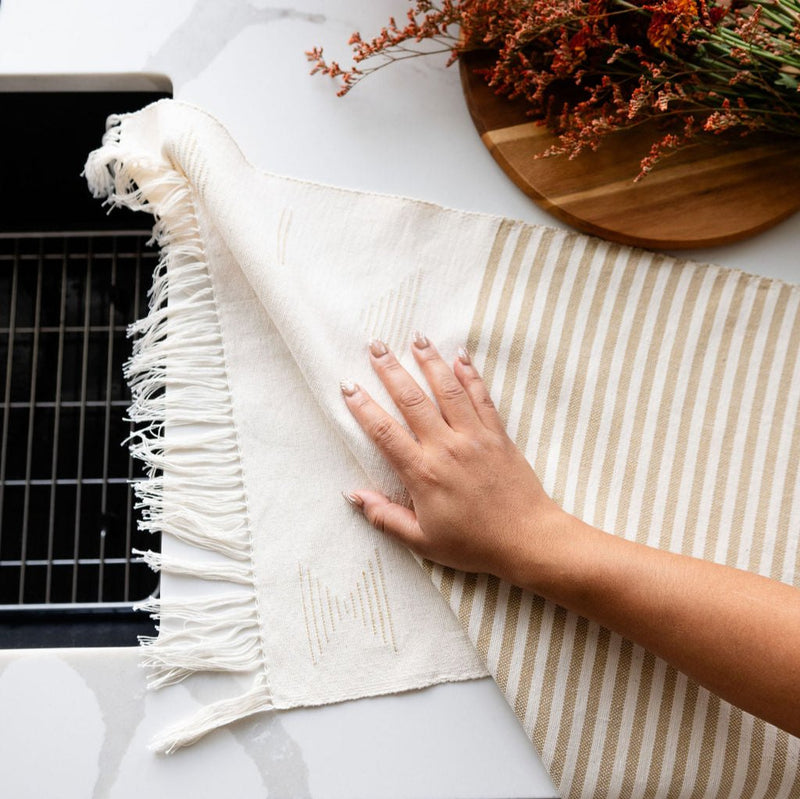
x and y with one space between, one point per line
709 194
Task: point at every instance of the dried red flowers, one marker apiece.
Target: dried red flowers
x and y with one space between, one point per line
590 67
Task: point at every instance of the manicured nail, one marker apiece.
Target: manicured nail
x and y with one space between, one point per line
353 499
348 387
420 340
377 347
463 356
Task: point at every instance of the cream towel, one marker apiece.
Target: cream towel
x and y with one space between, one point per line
656 399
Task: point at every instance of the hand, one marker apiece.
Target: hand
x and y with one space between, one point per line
477 504
479 507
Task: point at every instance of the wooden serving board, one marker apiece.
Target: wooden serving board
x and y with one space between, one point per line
709 194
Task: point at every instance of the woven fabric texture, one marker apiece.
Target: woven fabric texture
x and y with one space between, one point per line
656 399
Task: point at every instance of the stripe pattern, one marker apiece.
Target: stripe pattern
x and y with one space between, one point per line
658 400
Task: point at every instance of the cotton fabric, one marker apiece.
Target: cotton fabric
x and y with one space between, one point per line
657 399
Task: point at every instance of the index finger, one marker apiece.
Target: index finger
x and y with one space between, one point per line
394 442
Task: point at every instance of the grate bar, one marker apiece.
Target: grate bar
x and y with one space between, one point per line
54 562
68 329
107 428
50 256
31 419
137 293
82 419
51 522
71 234
68 481
66 609
12 317
70 403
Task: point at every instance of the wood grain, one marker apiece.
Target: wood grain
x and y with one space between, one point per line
713 193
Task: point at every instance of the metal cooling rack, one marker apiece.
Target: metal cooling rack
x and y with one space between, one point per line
67 522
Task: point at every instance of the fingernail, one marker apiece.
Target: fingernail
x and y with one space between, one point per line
377 347
353 499
348 387
420 340
463 356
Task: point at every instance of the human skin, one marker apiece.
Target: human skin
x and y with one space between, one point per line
478 506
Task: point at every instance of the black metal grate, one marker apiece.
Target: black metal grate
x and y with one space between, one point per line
67 522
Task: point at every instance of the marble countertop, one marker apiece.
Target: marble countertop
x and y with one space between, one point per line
73 723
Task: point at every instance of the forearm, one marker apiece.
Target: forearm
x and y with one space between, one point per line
478 506
736 633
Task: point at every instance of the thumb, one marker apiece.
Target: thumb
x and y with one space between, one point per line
388 517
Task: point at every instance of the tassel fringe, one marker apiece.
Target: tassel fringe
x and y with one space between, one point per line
213 716
219 634
208 570
186 438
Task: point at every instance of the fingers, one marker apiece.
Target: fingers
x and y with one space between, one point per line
395 520
418 410
397 446
454 402
462 395
476 390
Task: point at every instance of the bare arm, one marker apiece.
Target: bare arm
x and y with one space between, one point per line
478 506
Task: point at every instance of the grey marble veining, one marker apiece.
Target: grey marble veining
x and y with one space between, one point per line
121 710
208 29
81 719
278 756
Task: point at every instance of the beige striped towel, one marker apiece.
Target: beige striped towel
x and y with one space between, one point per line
657 399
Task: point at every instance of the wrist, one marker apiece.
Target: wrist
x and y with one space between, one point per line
561 558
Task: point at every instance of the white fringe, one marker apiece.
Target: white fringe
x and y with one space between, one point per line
206 634
212 716
187 440
208 570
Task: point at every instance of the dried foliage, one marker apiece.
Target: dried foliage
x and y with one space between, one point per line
589 67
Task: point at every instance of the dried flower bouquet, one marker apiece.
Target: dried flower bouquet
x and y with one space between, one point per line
587 68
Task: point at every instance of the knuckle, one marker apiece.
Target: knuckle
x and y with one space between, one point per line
427 477
391 365
419 466
421 472
486 444
427 354
452 451
377 519
382 431
463 451
451 389
475 382
360 402
473 377
412 397
485 400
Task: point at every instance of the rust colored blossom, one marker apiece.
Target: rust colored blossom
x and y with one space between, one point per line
670 20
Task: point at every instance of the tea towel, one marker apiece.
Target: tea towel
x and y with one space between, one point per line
657 399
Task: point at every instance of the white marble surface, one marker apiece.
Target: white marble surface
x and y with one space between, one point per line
74 724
